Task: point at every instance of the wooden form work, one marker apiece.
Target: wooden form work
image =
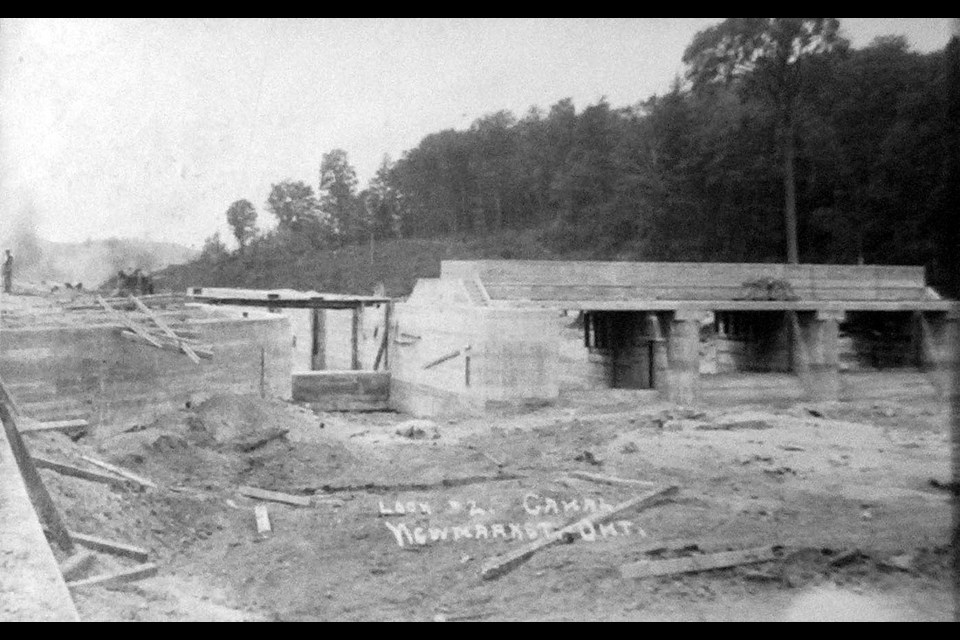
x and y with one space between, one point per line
624 286
318 304
139 333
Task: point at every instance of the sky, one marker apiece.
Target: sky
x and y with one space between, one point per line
151 128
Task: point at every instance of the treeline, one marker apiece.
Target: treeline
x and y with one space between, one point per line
781 139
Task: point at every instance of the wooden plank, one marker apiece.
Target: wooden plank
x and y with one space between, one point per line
166 329
447 358
318 330
273 496
203 353
698 564
142 572
355 339
611 481
127 322
83 474
264 528
383 355
699 291
930 306
39 496
129 475
502 565
282 299
667 274
111 548
77 565
31 426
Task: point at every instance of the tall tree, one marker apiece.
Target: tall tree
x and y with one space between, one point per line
242 218
295 206
770 59
338 196
381 202
950 237
213 250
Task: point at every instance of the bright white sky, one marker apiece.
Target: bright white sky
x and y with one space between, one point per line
151 128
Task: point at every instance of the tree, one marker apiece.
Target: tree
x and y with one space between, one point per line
338 196
295 206
770 60
949 262
213 250
242 218
381 202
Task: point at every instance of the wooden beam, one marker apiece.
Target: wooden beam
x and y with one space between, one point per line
273 300
447 358
383 354
502 565
640 304
142 572
129 475
30 426
83 474
111 548
128 323
355 339
129 335
387 320
273 496
611 481
39 496
157 320
698 564
77 565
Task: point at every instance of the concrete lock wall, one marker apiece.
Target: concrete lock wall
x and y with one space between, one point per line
93 373
511 359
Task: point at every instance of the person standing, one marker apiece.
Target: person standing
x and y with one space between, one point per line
8 273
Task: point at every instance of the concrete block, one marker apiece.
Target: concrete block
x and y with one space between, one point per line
90 372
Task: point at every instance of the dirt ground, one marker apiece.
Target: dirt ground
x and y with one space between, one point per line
817 481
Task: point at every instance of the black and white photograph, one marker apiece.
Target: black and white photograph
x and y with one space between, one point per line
480 320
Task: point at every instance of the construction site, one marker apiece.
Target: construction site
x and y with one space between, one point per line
513 441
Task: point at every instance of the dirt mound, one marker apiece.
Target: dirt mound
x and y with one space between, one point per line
239 419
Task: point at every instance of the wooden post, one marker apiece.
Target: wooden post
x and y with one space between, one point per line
263 373
387 319
318 349
355 338
383 354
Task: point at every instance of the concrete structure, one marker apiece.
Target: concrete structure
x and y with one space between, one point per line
688 331
338 343
89 371
453 355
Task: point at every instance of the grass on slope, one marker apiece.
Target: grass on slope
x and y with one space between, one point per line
398 264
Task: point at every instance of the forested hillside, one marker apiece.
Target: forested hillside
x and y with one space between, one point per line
780 139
